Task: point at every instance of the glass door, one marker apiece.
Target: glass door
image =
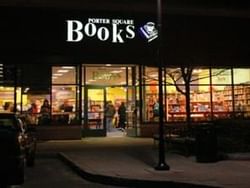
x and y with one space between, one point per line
94 124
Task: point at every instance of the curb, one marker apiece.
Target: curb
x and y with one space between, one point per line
117 181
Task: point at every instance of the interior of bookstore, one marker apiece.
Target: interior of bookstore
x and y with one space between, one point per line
79 95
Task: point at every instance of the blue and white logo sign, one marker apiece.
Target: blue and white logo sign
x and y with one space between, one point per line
149 31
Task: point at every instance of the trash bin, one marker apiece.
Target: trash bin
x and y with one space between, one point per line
206 143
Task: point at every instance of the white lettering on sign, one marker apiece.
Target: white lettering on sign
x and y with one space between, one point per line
115 30
77 30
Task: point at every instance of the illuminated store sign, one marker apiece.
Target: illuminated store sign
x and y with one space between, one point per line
104 29
105 76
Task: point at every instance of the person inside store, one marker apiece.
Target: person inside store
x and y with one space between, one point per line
68 108
122 116
109 114
33 114
44 119
156 109
8 107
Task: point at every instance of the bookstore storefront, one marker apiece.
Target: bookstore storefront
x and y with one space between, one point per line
215 92
79 93
79 82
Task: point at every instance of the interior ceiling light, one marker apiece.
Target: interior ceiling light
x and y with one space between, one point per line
197 70
63 71
67 67
116 71
57 74
108 65
154 75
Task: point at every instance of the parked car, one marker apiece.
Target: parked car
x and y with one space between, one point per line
18 146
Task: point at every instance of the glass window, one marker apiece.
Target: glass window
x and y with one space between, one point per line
106 75
63 75
151 75
151 98
63 104
176 108
241 76
130 76
6 98
222 101
60 94
151 92
200 103
221 76
200 76
242 100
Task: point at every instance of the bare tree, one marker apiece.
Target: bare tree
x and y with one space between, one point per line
186 75
182 78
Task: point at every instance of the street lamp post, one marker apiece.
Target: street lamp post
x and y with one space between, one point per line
161 163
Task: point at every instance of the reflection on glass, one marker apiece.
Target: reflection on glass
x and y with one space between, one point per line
105 75
95 108
241 76
221 76
63 104
63 75
151 75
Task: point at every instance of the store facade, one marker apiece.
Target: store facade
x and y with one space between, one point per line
83 90
83 59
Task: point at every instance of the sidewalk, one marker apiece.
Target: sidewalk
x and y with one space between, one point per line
130 162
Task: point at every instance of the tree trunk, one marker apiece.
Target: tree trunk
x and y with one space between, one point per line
188 111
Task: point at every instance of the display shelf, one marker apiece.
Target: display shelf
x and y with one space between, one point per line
241 98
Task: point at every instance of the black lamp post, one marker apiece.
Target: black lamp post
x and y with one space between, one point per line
161 163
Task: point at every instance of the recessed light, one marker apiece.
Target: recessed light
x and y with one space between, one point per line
63 71
116 71
57 74
67 67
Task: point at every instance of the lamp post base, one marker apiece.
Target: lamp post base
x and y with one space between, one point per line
162 166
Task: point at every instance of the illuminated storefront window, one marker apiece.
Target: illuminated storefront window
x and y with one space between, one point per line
200 105
64 75
213 94
221 93
150 90
105 75
221 76
6 98
104 84
241 92
64 93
